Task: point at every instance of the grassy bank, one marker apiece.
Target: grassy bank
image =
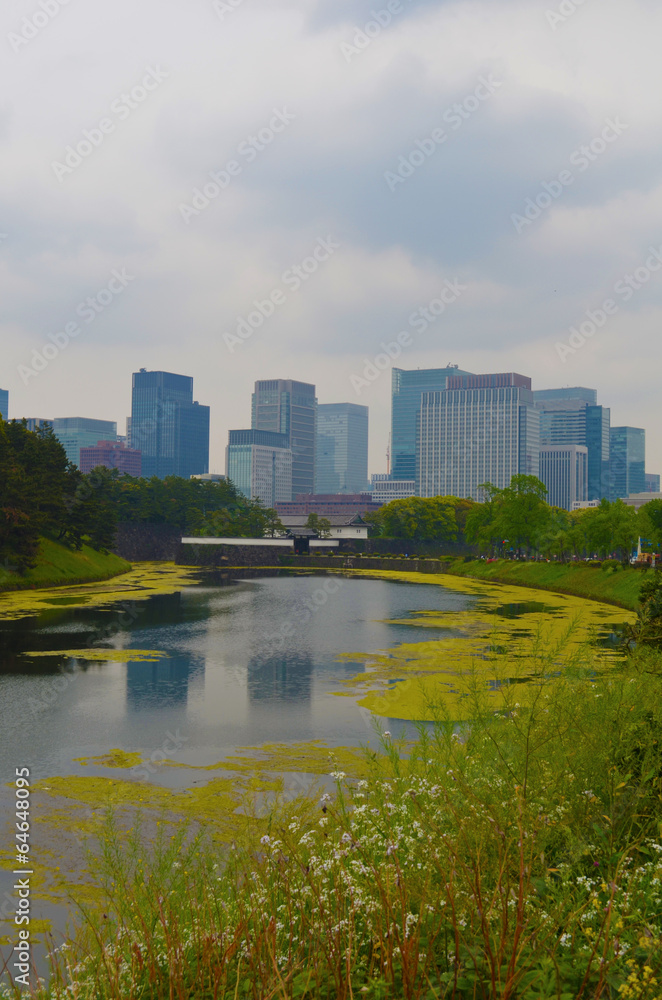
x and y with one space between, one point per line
620 586
59 566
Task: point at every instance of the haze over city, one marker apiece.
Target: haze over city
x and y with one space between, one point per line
507 149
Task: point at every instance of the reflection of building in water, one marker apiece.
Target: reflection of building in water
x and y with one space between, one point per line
164 684
280 678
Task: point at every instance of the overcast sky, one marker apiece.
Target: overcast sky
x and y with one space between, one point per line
404 151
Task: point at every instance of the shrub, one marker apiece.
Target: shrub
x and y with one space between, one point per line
610 564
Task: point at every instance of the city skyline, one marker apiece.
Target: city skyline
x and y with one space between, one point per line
400 195
557 399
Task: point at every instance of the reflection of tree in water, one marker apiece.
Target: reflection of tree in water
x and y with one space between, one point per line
62 628
163 684
280 678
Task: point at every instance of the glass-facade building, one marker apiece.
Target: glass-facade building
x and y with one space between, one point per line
572 416
407 388
341 453
259 463
4 404
480 429
284 406
75 433
627 461
168 426
564 471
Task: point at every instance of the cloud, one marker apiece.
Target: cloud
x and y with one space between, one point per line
355 121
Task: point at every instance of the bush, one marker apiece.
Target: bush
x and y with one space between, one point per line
610 564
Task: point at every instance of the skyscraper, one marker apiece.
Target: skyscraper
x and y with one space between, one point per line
481 428
573 416
564 471
341 460
407 388
284 406
627 462
259 463
4 404
167 426
75 433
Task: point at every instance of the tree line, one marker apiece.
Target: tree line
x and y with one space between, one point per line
518 519
43 494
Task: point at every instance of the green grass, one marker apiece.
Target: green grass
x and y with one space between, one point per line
620 586
58 565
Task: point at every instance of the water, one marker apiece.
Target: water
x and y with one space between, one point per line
247 664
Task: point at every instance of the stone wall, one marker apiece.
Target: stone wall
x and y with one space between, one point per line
214 556
147 542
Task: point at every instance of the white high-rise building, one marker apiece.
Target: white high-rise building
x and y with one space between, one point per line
259 463
564 471
480 429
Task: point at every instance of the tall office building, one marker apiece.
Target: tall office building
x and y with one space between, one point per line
384 488
564 471
167 426
652 483
341 453
284 406
573 416
627 463
407 388
75 433
34 423
480 429
259 463
4 404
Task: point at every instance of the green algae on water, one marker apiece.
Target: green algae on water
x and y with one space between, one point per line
103 654
495 653
145 580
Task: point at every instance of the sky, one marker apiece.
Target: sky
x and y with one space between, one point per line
318 189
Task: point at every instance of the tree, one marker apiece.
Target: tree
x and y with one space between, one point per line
518 513
610 527
650 525
320 525
417 519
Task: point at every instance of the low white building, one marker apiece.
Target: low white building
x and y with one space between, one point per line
342 525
